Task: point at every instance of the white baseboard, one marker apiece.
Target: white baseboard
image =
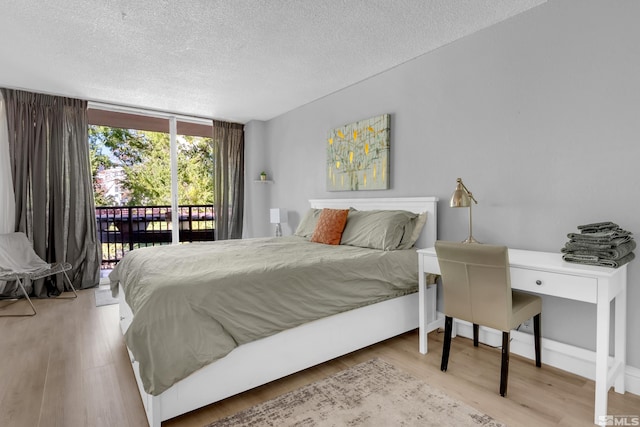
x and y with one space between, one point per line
632 380
562 356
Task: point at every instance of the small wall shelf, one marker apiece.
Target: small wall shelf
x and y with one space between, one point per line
264 181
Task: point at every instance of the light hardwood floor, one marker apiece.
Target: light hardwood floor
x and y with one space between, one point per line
68 367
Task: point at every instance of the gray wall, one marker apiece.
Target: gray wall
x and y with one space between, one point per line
257 195
540 115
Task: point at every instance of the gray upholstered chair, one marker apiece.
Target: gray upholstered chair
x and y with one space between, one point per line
477 288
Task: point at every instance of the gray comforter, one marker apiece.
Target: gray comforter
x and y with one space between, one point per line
195 303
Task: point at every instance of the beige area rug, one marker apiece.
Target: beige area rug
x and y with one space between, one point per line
373 393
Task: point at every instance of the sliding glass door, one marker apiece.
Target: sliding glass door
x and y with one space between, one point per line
153 180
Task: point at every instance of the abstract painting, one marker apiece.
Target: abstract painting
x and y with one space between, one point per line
358 156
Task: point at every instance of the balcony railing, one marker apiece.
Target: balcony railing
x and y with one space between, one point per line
124 228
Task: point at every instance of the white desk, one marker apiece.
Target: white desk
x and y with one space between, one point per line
547 274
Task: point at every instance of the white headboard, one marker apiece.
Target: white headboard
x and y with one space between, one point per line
412 204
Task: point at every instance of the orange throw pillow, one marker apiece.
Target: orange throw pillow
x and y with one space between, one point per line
330 226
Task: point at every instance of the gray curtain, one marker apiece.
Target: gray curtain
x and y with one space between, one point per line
52 182
228 179
7 198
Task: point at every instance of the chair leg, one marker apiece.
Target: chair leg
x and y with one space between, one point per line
26 295
536 337
446 345
475 334
504 369
75 294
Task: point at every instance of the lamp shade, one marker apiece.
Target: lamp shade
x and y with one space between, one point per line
277 215
460 197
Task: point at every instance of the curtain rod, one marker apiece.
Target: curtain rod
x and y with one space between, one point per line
150 113
123 109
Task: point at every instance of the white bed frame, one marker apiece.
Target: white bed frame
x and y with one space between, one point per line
293 350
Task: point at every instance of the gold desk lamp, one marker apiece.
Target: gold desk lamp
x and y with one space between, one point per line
461 198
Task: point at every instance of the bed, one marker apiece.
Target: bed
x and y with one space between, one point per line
253 362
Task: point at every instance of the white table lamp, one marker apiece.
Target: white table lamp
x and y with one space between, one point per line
277 216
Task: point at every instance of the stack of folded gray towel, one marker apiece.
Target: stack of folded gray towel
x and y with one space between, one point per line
600 243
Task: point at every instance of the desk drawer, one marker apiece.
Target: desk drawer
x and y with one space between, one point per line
555 284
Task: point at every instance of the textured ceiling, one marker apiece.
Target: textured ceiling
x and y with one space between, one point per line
234 60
